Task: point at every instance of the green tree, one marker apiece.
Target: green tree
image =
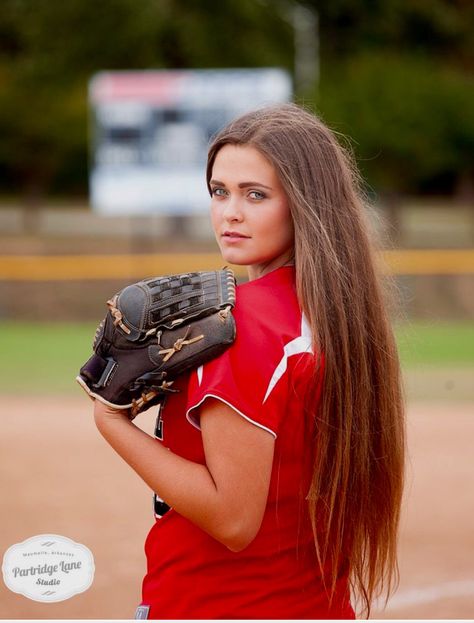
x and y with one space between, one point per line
411 121
441 29
396 76
49 50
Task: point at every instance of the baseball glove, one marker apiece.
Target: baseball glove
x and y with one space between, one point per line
154 331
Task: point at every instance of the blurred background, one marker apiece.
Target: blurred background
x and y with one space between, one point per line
106 110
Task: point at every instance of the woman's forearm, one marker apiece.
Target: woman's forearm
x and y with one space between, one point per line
227 496
186 486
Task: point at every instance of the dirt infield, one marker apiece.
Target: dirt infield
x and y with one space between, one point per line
58 476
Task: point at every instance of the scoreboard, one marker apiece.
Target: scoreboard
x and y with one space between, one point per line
150 130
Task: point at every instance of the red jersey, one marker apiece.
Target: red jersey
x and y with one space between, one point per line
262 376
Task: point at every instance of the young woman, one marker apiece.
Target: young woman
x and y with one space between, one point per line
282 459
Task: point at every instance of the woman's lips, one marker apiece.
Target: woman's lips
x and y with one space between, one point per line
233 235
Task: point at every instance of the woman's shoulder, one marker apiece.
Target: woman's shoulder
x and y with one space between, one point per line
267 311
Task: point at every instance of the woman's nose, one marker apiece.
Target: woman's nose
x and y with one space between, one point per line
233 211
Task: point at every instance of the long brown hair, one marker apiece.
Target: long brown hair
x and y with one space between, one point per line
357 481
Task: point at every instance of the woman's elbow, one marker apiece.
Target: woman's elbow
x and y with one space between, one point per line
239 535
238 544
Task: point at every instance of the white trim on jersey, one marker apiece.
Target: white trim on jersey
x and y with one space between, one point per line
192 421
301 344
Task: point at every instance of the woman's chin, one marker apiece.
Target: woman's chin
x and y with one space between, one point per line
233 258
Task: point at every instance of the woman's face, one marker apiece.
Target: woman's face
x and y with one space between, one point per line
249 211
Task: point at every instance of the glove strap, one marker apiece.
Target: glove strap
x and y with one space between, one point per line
98 370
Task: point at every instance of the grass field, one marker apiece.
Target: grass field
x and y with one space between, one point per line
45 358
436 344
42 358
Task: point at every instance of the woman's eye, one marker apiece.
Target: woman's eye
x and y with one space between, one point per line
218 192
256 194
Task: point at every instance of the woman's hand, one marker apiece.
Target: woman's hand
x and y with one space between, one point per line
104 414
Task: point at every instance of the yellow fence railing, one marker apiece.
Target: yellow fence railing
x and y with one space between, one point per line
84 267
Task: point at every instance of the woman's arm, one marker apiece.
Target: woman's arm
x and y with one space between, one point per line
226 497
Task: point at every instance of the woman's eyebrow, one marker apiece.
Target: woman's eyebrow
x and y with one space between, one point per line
242 184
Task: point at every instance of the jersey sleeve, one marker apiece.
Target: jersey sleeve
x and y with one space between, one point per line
247 377
253 375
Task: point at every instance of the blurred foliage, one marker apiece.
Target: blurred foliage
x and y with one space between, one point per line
396 77
441 29
411 121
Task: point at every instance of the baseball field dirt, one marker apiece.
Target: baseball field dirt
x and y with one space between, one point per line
58 476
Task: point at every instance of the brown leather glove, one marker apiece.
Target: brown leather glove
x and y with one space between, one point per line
154 331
